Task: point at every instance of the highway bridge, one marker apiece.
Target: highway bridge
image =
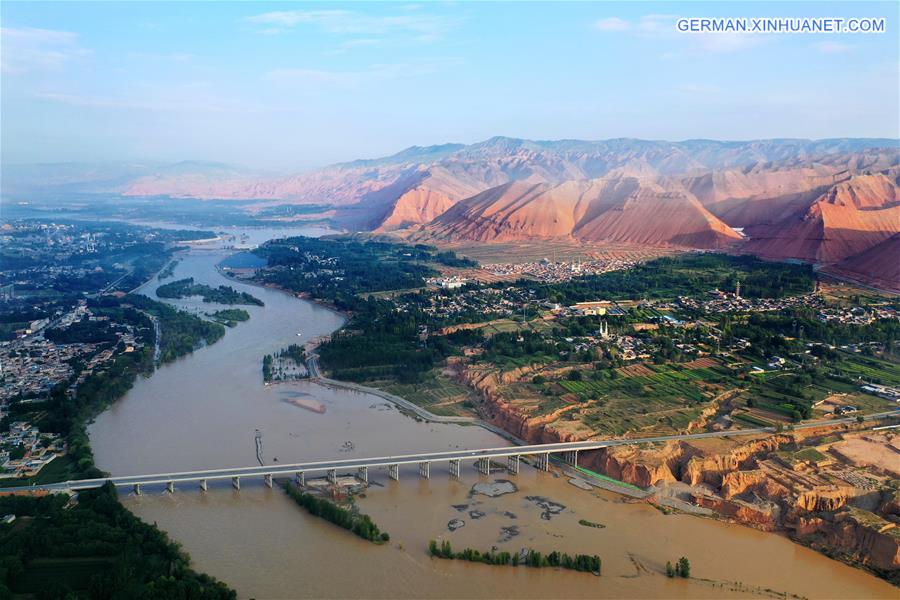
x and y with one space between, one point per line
359 467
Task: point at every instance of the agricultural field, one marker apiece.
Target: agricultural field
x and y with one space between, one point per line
869 368
641 398
436 393
670 381
506 325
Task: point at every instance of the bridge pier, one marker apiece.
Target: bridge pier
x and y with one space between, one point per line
512 464
137 489
203 485
170 487
571 457
363 474
236 483
267 478
300 479
543 461
394 472
332 476
483 465
454 468
425 469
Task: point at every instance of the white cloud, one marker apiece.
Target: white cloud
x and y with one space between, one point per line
653 23
376 72
421 27
612 24
833 47
28 49
656 23
662 27
725 43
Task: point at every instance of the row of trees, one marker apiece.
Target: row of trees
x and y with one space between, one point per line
532 558
358 523
682 568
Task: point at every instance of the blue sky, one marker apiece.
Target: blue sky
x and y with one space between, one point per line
299 85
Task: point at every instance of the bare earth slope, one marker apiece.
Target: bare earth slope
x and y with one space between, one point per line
848 219
639 210
878 266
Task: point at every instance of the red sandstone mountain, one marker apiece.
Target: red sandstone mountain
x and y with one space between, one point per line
813 200
851 217
770 192
878 266
630 209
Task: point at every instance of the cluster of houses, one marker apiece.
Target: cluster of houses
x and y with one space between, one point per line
883 391
548 271
447 283
857 315
31 365
718 302
501 303
24 450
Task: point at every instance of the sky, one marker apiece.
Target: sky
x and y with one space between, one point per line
292 86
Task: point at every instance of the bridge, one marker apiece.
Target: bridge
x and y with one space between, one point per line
359 467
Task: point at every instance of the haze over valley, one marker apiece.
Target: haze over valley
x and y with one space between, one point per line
827 202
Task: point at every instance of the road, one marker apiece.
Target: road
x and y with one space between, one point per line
351 464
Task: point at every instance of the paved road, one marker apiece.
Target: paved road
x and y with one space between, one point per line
351 464
315 373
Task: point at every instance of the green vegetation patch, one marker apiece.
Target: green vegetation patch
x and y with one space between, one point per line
687 275
350 519
532 558
587 523
224 294
436 392
95 548
230 317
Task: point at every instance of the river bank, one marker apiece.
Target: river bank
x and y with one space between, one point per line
202 411
517 428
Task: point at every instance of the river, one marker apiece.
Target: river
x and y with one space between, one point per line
203 411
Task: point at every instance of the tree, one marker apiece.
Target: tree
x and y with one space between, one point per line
684 567
670 570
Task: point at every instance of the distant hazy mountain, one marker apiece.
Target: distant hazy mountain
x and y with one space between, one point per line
825 201
118 177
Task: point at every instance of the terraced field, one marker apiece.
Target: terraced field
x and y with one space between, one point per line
660 381
437 393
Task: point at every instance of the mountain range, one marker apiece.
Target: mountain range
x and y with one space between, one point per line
832 202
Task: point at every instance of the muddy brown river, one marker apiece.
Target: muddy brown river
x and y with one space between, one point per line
203 411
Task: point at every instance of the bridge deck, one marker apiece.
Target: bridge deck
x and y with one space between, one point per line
350 464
